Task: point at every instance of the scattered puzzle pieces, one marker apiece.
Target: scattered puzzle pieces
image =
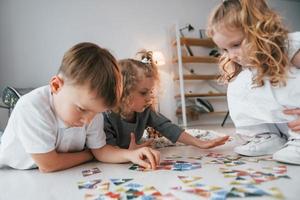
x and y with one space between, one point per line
258 177
173 165
134 191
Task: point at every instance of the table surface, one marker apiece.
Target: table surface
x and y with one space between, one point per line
31 184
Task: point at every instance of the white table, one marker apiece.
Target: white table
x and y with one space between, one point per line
31 184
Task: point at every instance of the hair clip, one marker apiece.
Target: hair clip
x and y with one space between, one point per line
146 60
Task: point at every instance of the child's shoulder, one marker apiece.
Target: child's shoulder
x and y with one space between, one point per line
294 35
37 99
293 44
35 108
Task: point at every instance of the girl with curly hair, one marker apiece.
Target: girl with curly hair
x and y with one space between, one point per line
259 63
125 125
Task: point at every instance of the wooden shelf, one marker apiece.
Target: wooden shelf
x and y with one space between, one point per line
197 77
197 59
202 95
204 44
208 42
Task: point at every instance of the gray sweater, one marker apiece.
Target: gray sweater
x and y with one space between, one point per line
118 130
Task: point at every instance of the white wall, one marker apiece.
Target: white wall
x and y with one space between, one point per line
34 34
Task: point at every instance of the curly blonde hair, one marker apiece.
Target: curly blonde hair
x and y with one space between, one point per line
133 71
266 40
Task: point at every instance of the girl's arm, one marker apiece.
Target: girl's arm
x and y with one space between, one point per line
53 161
176 134
190 140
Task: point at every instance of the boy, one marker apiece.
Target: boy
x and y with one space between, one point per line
59 126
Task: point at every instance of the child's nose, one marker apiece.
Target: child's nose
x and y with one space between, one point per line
149 98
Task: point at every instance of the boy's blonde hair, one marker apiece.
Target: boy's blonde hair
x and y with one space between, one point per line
87 63
133 71
266 39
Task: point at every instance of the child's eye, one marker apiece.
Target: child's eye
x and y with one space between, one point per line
144 93
80 109
236 45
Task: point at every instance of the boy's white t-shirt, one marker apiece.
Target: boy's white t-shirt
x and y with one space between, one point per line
33 127
253 108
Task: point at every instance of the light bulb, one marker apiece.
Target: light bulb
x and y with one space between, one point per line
158 58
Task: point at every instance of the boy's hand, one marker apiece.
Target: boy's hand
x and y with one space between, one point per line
293 125
213 143
145 157
133 144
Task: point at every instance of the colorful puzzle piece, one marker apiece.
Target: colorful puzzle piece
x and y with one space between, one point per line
91 171
94 185
120 181
106 196
189 179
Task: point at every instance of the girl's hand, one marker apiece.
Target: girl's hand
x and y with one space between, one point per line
213 143
186 138
133 144
145 157
293 125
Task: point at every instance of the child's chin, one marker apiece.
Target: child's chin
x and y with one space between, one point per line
141 110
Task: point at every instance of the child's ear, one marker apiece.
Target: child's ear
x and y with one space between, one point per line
56 84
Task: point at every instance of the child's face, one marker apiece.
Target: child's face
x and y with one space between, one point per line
232 43
75 105
143 95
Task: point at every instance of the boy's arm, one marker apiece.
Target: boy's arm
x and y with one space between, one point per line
53 161
190 140
145 156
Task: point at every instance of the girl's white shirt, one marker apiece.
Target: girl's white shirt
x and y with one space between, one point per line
251 106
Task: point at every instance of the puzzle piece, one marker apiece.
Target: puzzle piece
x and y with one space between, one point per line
120 181
91 171
94 185
106 196
189 179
